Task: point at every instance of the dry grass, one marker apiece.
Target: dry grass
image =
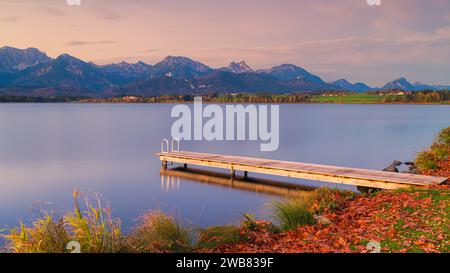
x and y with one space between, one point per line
215 236
158 232
94 228
300 210
45 236
292 214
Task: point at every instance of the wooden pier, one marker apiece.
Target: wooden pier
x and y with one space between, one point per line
325 173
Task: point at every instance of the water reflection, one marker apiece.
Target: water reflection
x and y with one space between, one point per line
171 181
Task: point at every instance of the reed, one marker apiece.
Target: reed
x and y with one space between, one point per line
94 228
45 236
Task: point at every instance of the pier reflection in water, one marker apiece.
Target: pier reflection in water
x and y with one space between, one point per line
171 180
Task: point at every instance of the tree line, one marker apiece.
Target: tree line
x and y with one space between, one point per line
308 97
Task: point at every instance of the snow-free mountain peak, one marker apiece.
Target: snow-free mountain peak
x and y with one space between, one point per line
399 84
240 67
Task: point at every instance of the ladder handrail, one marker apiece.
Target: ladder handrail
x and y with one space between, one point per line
177 141
164 140
173 147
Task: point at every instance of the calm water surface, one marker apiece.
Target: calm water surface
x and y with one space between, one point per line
48 150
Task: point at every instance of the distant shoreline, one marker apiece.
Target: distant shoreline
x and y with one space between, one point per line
397 97
217 102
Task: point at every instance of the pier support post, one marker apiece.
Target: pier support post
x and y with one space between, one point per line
233 173
164 165
245 174
185 166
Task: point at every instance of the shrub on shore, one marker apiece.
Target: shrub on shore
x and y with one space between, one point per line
443 137
426 160
437 155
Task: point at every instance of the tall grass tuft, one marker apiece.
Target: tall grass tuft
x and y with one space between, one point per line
45 236
292 214
158 232
324 198
95 228
300 210
214 236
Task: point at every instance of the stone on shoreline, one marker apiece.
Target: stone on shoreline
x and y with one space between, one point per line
412 169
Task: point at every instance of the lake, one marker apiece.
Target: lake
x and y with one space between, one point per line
48 150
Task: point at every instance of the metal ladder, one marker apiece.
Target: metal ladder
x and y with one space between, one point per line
174 147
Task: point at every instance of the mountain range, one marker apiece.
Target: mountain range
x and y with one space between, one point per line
356 87
31 72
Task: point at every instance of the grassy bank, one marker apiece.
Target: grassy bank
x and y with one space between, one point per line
399 221
323 220
415 220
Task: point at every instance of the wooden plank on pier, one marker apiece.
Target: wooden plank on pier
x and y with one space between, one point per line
326 173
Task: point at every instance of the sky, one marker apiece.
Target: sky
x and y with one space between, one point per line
333 39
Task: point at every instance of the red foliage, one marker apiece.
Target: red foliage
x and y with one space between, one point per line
401 221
